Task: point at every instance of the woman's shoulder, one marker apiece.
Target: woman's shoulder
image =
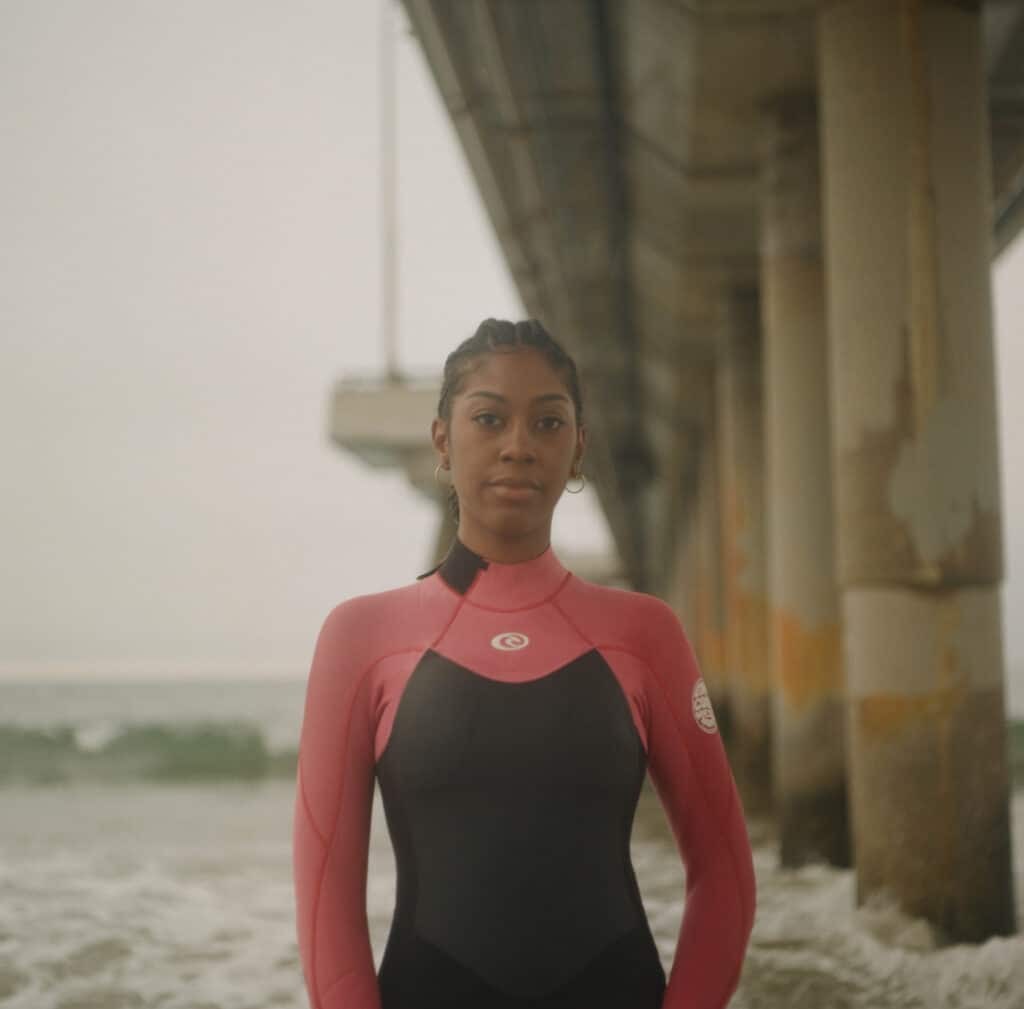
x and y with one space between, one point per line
624 616
371 604
378 623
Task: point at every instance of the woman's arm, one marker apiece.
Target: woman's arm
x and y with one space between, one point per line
331 825
688 766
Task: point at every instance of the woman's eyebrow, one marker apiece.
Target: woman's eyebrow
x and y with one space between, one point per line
536 399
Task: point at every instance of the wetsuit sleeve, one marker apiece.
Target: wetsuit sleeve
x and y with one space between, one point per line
689 769
331 823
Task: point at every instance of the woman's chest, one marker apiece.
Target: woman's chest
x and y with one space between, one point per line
570 728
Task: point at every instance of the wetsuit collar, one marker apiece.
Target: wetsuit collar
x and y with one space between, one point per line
500 586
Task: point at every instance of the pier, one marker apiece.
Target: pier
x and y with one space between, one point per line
765 229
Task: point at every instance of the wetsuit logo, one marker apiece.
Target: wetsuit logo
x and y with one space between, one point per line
702 710
510 641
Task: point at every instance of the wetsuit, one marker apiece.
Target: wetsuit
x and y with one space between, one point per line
509 713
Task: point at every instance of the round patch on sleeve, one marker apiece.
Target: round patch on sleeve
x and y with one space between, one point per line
702 710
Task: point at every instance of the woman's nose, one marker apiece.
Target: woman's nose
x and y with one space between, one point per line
518 442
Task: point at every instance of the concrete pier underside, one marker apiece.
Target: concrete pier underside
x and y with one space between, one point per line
620 151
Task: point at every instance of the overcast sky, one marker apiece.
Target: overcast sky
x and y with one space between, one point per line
189 259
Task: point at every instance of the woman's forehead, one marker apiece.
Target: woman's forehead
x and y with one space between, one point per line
527 373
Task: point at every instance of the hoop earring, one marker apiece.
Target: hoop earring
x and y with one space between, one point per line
580 477
438 481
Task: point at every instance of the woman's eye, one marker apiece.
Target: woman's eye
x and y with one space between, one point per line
551 423
487 419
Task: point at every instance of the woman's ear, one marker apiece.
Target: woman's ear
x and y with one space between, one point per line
439 436
581 443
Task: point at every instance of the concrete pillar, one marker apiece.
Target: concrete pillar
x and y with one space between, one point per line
678 589
675 587
808 697
919 549
710 612
685 576
746 636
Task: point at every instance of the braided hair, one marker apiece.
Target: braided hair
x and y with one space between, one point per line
497 336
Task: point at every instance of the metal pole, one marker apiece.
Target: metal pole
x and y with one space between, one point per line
388 214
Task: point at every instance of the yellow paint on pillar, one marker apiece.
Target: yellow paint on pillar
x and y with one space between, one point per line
809 661
746 639
711 638
714 656
882 716
749 639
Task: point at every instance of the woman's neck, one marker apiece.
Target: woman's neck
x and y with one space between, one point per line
496 585
504 550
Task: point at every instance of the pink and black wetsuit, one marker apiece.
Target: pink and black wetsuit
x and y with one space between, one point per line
509 713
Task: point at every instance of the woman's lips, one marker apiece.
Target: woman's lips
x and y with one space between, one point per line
516 490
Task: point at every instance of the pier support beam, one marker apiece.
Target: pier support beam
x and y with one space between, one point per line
919 550
746 638
683 587
808 697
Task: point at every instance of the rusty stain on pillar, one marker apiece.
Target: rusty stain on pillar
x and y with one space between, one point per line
804 631
746 636
915 457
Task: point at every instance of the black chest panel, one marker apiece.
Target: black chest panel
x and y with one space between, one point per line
510 808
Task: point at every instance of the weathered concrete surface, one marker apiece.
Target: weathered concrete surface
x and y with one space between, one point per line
688 575
908 205
804 630
928 762
742 467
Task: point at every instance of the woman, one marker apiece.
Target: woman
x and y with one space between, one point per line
509 712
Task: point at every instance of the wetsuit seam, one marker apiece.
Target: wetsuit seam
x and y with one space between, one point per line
422 653
320 879
734 978
585 964
313 929
469 969
644 745
703 788
647 664
640 926
309 812
668 703
476 674
451 620
454 591
329 843
571 622
520 609
334 984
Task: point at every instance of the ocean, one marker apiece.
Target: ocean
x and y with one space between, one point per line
145 861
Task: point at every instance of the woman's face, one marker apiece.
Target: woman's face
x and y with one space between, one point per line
510 443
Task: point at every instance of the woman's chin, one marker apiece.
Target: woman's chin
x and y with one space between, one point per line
511 522
513 525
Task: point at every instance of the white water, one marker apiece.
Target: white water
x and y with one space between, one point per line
180 896
137 895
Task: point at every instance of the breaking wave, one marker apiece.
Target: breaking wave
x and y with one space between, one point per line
214 751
